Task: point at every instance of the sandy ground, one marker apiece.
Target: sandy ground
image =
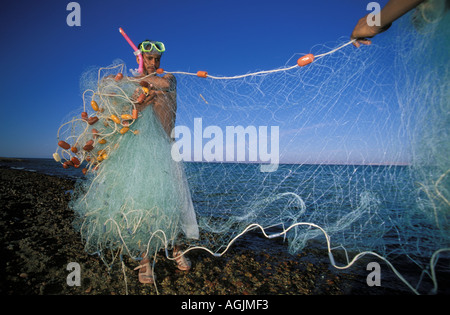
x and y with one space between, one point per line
38 242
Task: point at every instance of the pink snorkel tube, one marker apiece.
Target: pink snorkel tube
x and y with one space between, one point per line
137 52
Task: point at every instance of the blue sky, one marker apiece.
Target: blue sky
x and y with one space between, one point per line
42 58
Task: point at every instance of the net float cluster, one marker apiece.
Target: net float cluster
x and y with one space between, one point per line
97 149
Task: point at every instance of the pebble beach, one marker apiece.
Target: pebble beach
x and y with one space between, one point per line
38 242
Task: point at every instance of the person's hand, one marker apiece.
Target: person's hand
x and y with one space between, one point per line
363 31
143 99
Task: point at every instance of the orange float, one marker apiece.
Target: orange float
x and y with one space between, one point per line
64 145
75 161
101 152
305 60
88 147
69 163
124 130
118 77
115 119
202 74
92 120
126 117
94 105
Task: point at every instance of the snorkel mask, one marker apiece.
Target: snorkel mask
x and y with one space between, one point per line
150 46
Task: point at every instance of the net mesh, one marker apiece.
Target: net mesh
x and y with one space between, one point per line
351 149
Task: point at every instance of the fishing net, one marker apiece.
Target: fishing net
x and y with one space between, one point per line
351 150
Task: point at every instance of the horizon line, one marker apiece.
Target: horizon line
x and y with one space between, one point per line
20 159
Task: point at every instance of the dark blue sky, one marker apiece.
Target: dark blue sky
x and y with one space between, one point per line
42 58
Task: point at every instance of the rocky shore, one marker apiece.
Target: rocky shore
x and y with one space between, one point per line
38 242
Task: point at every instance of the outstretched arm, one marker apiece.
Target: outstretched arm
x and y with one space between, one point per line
393 10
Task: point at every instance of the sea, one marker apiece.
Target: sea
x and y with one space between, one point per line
316 191
41 165
319 193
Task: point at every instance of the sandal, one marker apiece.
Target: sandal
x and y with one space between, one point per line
183 263
145 272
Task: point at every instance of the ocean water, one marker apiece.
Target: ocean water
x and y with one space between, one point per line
362 207
44 166
382 201
384 196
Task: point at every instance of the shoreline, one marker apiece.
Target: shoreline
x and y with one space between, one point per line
7 159
39 242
